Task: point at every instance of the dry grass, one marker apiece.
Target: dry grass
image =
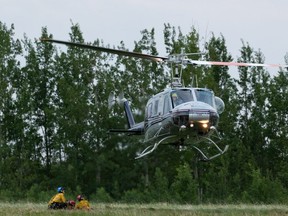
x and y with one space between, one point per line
161 209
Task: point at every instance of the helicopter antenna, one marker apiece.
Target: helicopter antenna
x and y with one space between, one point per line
194 79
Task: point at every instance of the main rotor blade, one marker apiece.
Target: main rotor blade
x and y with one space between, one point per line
103 49
235 64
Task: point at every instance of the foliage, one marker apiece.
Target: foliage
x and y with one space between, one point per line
101 196
184 188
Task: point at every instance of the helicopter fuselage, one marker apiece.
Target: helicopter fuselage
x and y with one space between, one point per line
180 116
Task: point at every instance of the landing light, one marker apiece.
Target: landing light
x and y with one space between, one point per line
205 125
191 125
183 128
204 121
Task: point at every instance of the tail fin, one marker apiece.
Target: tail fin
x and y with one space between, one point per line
133 128
129 115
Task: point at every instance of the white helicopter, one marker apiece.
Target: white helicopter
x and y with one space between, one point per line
178 116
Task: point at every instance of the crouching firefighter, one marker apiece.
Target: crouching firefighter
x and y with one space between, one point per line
58 201
83 203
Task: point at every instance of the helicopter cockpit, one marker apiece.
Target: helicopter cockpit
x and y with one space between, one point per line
180 96
206 96
183 95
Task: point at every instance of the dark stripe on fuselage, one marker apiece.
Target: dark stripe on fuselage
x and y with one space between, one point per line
157 124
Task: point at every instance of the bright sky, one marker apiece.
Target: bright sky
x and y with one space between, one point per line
261 23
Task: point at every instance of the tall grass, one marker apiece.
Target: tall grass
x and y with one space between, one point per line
161 209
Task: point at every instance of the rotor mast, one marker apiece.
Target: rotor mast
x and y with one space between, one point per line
180 60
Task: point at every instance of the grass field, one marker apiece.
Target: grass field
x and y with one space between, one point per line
161 209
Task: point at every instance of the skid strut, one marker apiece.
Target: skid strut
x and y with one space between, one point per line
151 148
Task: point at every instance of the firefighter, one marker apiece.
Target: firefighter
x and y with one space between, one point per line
83 203
58 201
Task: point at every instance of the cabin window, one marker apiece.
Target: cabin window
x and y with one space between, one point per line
167 105
149 110
155 107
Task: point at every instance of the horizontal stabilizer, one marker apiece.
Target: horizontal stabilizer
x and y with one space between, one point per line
138 129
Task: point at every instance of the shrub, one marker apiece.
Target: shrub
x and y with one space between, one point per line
101 196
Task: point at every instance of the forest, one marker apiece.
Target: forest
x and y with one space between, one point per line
55 118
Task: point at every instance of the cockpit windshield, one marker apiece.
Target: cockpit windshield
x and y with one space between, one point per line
206 96
181 96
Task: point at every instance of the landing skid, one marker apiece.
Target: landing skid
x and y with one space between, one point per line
151 148
205 156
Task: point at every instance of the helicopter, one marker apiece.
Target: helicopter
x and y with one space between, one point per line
179 116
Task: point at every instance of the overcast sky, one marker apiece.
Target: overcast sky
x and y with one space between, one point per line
261 23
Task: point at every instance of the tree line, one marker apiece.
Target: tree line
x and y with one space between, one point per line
54 119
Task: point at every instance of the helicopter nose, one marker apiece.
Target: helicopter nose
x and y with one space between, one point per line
200 120
205 115
203 118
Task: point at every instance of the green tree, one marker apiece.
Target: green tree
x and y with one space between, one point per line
77 142
276 131
243 129
10 124
184 187
37 97
159 189
265 190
